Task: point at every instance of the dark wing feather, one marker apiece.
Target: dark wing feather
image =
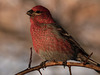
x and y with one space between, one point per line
70 39
75 46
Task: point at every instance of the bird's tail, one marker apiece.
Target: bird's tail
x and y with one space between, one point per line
91 61
87 60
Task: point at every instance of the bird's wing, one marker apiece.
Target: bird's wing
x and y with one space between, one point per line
75 46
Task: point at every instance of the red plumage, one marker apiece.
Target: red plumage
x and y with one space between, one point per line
46 39
50 40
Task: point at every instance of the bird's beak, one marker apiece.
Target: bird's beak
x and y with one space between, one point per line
30 13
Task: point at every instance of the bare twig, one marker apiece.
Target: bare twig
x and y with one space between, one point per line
70 70
30 61
88 58
40 72
48 64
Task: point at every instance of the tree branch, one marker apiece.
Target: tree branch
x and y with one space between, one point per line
48 64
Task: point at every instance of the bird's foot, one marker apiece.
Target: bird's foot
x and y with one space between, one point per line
55 61
64 63
43 64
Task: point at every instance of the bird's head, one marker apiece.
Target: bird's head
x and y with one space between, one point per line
38 11
40 14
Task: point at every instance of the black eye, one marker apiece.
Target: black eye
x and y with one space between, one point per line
38 12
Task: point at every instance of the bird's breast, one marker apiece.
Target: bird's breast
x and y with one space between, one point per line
47 38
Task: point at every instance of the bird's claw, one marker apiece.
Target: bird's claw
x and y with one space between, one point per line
64 63
43 64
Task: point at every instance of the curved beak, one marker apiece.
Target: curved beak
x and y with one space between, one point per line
30 12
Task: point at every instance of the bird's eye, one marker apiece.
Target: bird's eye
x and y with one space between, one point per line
38 12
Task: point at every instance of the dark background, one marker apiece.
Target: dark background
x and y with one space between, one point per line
81 18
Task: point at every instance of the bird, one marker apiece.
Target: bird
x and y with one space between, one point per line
50 41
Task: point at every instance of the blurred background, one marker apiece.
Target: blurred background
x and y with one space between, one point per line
81 18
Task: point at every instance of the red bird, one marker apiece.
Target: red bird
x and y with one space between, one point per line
50 40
